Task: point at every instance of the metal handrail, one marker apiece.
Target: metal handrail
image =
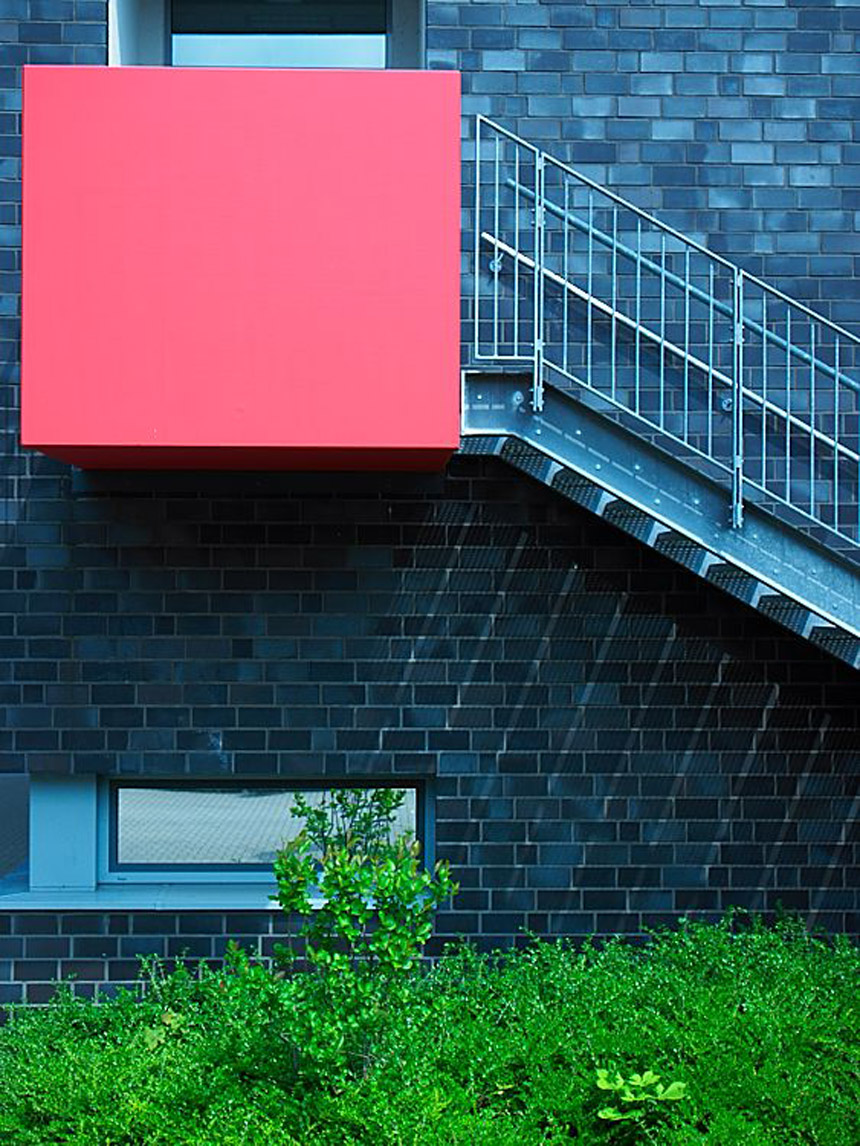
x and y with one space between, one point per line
676 351
654 221
702 296
792 429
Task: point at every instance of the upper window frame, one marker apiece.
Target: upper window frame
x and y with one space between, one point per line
139 34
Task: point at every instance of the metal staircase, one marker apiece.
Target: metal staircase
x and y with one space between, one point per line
665 389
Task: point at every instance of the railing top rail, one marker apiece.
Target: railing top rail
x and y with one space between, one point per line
550 159
834 326
666 229
509 134
628 206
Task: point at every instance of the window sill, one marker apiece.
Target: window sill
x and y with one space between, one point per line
144 897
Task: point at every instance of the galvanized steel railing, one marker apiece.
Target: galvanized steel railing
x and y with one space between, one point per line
704 358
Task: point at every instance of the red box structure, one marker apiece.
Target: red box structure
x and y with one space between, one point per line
241 268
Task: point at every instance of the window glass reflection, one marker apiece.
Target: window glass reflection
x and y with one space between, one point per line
278 51
224 826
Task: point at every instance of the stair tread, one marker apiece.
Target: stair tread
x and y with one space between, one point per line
629 518
683 549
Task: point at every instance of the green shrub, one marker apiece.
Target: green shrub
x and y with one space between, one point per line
366 907
756 1027
366 900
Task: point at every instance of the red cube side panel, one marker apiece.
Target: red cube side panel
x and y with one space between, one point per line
241 268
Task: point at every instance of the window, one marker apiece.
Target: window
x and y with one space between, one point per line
266 33
278 35
152 845
202 829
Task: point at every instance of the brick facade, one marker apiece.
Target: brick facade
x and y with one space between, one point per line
614 742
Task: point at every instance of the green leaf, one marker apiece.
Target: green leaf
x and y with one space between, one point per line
605 1083
153 1037
610 1114
673 1092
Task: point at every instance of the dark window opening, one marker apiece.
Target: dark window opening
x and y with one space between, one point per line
296 33
267 33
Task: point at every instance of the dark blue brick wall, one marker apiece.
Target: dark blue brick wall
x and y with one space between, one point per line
615 743
735 123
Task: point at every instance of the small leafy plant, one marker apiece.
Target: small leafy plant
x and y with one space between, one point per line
156 1036
366 907
365 898
640 1098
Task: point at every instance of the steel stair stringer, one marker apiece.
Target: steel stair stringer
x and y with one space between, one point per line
600 465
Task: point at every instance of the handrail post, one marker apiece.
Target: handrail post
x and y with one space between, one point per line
537 382
737 400
476 268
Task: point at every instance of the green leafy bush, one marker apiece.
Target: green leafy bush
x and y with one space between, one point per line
758 1025
365 905
366 900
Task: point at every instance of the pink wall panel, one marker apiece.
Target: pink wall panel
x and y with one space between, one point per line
243 268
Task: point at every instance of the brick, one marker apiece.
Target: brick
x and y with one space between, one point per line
95 946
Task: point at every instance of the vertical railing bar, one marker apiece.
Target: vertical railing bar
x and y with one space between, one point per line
764 392
477 266
588 306
710 360
614 296
737 404
686 344
812 419
638 306
537 381
663 329
497 256
565 275
517 249
836 435
788 352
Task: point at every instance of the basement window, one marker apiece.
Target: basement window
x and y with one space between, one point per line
266 33
208 830
161 845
